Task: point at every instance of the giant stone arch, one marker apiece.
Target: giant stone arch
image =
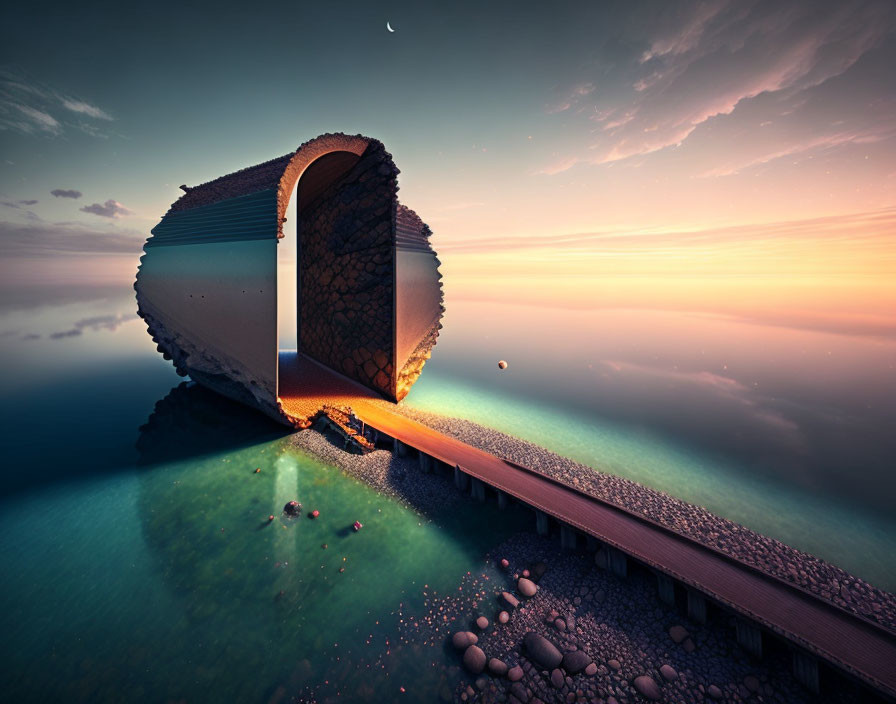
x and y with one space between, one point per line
369 293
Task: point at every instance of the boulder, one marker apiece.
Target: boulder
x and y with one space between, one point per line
678 633
517 690
714 692
541 651
526 587
557 679
647 687
503 617
538 570
575 661
482 623
497 667
293 508
591 670
515 673
464 639
614 664
474 659
668 672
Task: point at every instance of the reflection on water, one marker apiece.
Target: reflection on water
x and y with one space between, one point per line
151 573
161 578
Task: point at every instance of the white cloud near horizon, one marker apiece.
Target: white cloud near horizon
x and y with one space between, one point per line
46 239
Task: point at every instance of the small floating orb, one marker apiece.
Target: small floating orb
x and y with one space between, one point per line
502 364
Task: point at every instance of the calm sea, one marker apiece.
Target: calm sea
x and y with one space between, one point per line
137 558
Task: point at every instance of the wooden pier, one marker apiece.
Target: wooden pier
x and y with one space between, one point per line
816 629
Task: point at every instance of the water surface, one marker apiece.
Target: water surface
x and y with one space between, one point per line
139 563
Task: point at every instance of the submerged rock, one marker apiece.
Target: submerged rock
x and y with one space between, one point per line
293 508
510 599
474 659
464 639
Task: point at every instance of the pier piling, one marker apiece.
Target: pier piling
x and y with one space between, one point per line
666 588
617 562
749 637
478 489
805 670
460 478
567 537
503 500
696 606
542 524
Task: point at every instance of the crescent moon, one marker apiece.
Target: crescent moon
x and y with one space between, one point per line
389 27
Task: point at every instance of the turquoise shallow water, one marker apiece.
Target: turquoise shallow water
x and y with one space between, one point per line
138 563
165 581
862 542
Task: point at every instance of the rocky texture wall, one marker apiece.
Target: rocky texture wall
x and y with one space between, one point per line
346 264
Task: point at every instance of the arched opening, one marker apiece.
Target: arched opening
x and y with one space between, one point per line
314 182
341 263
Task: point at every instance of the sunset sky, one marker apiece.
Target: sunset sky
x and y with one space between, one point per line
709 155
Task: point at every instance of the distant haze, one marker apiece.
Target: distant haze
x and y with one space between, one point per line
713 156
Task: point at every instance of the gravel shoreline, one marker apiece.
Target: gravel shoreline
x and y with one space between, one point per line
772 556
619 642
628 640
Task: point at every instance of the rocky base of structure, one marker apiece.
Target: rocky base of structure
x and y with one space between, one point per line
394 476
772 556
587 636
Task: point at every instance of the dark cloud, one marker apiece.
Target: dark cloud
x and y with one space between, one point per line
74 332
19 205
44 238
101 322
109 209
65 193
95 323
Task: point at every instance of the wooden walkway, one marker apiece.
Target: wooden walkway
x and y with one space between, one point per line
858 646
